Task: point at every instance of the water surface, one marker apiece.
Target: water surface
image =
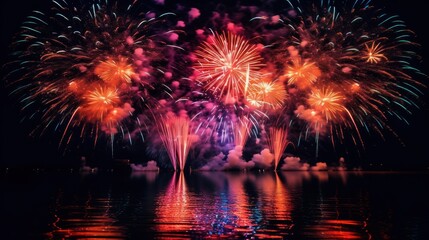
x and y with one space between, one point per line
284 205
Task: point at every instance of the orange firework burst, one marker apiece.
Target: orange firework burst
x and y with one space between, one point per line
175 136
303 74
113 72
277 140
227 64
98 103
327 102
373 53
267 94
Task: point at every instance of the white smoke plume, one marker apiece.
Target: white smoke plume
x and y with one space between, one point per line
151 166
294 164
234 160
264 159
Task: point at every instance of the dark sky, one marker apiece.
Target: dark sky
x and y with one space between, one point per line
20 149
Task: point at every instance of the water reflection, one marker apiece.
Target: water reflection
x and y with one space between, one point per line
295 179
244 205
204 205
150 176
287 205
173 214
91 220
84 215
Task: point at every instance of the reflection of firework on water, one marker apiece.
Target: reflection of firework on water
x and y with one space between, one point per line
175 135
228 64
86 66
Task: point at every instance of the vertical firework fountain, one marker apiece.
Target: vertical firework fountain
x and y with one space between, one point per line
175 135
277 140
241 131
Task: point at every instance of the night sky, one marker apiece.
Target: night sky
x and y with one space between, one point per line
20 149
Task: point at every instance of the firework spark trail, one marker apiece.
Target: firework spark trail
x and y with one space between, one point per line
241 131
277 140
225 123
175 135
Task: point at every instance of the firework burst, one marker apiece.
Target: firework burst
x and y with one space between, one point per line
349 67
373 53
302 74
99 102
267 95
327 102
87 65
228 64
114 72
